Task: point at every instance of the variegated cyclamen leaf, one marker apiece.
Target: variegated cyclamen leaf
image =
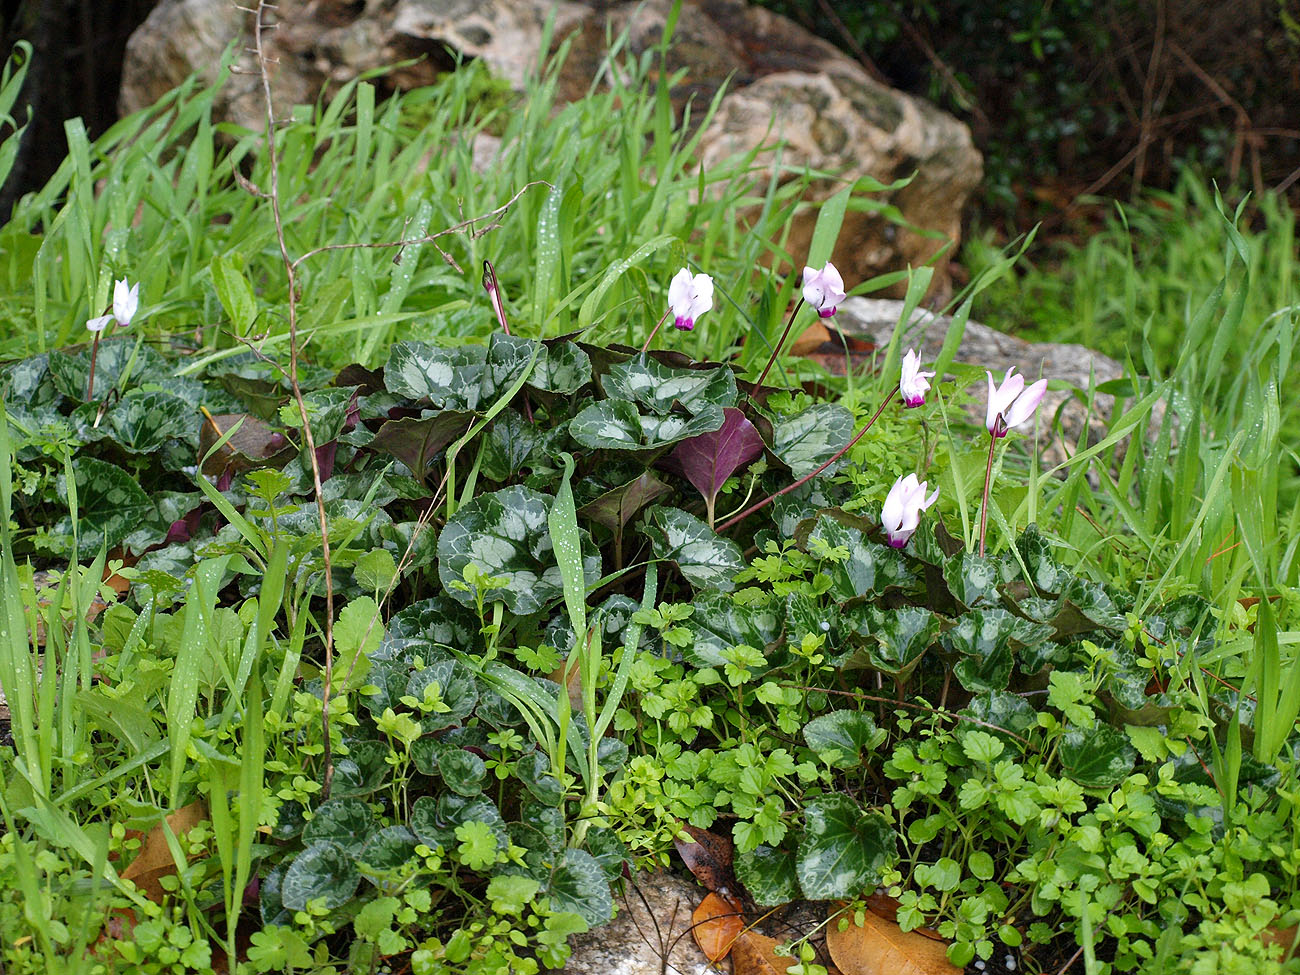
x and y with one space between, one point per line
504 535
447 378
808 439
143 421
507 357
111 504
843 850
705 558
117 357
718 624
658 387
1097 758
709 459
615 424
869 567
563 368
509 445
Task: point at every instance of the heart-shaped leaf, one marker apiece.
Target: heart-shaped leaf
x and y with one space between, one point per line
615 424
347 823
719 624
143 421
463 771
434 821
659 387
898 638
709 459
984 640
615 508
563 368
322 872
505 536
843 848
705 558
388 849
449 378
416 441
973 579
117 358
110 504
808 439
866 568
578 884
769 875
509 446
1097 757
841 736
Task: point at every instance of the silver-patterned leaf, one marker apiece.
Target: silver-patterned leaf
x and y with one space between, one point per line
448 378
658 387
705 558
808 439
563 368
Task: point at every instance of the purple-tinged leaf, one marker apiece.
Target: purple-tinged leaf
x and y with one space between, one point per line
416 442
710 458
615 507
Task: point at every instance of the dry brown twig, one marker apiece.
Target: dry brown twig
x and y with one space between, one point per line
290 269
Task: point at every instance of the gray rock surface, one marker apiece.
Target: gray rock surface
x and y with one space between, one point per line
645 932
783 85
876 319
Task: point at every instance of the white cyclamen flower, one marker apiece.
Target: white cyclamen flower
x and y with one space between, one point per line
1011 404
903 506
126 299
823 289
689 297
914 383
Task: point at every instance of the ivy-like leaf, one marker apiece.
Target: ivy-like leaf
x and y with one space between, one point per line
118 357
868 567
1097 757
1002 711
457 688
435 820
504 535
346 823
615 424
362 771
973 579
389 848
706 559
534 770
719 624
578 884
844 735
898 638
110 504
143 421
562 368
843 849
322 872
769 875
659 387
808 439
709 459
1045 574
984 639
615 508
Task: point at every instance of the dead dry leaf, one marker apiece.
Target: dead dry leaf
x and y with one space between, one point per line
882 905
154 861
881 947
716 924
755 954
709 858
810 339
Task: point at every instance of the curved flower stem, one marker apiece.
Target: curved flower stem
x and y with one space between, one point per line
777 351
735 519
654 332
94 354
988 479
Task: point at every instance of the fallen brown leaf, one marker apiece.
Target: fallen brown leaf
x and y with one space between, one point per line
708 858
881 947
810 339
154 861
884 906
755 954
716 924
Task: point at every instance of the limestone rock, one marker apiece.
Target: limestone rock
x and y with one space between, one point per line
876 319
645 931
783 84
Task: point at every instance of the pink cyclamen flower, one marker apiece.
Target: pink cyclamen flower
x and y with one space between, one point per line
689 297
126 300
914 383
1011 404
903 506
823 289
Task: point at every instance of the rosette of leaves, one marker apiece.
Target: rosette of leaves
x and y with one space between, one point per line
504 535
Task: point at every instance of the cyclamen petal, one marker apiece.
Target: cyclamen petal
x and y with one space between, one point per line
914 383
1022 410
689 297
823 289
100 323
1011 404
126 300
901 514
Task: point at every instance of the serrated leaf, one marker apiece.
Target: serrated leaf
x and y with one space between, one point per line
848 733
769 875
322 872
659 387
578 884
705 558
327 412
1097 757
973 579
843 850
984 640
344 822
709 459
111 504
1045 574
807 440
504 534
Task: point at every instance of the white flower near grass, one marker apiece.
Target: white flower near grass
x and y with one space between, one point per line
903 506
823 289
689 297
126 301
914 383
1011 404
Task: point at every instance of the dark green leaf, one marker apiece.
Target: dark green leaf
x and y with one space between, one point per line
843 849
504 534
578 884
615 424
462 771
563 368
117 358
1002 711
143 421
985 638
841 735
1045 575
868 567
344 822
111 504
659 387
898 638
457 688
509 446
1097 757
973 579
705 558
323 872
435 820
769 875
718 624
534 770
389 849
448 378
807 440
